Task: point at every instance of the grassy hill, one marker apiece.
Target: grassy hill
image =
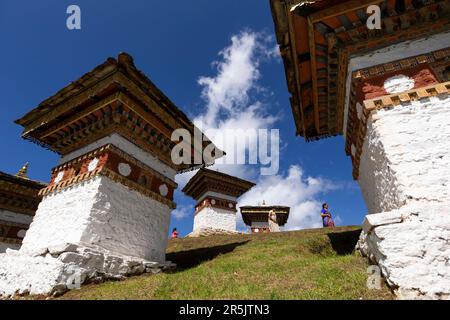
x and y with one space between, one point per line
307 264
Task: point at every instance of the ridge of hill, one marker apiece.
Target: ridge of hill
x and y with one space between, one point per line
306 264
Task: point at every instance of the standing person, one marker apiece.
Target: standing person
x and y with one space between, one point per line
174 233
327 221
273 224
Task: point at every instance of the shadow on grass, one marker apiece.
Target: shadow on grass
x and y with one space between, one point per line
344 242
191 258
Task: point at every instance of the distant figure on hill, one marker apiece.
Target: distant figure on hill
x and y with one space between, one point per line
273 223
174 233
327 221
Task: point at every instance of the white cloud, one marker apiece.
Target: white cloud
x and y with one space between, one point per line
234 99
237 75
294 190
182 212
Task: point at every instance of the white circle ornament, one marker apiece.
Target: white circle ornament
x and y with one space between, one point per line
230 205
398 83
21 233
93 164
59 176
163 190
124 169
213 201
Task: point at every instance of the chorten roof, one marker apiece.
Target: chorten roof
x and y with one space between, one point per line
114 97
209 180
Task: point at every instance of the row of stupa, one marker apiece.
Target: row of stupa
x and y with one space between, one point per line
106 211
215 193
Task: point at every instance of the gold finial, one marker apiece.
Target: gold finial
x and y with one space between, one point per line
23 171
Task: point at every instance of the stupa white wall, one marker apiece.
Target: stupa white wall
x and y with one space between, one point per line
215 218
404 176
102 213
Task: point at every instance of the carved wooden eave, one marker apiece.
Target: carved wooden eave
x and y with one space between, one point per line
114 97
209 180
317 38
261 213
19 194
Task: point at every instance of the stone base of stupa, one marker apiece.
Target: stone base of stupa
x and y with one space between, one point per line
412 248
205 232
62 268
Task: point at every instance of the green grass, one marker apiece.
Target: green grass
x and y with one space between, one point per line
308 264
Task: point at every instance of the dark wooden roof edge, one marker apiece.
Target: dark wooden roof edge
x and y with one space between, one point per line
304 128
282 34
123 63
22 181
99 72
265 207
204 172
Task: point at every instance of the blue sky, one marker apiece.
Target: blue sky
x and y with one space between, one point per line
175 43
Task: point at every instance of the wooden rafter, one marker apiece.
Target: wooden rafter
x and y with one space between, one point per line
295 62
342 9
312 48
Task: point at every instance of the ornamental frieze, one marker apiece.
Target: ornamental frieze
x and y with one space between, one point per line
214 202
119 166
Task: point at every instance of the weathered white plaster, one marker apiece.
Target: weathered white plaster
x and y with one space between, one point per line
93 164
215 218
59 177
405 155
127 222
15 217
394 52
103 213
398 83
404 176
127 146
